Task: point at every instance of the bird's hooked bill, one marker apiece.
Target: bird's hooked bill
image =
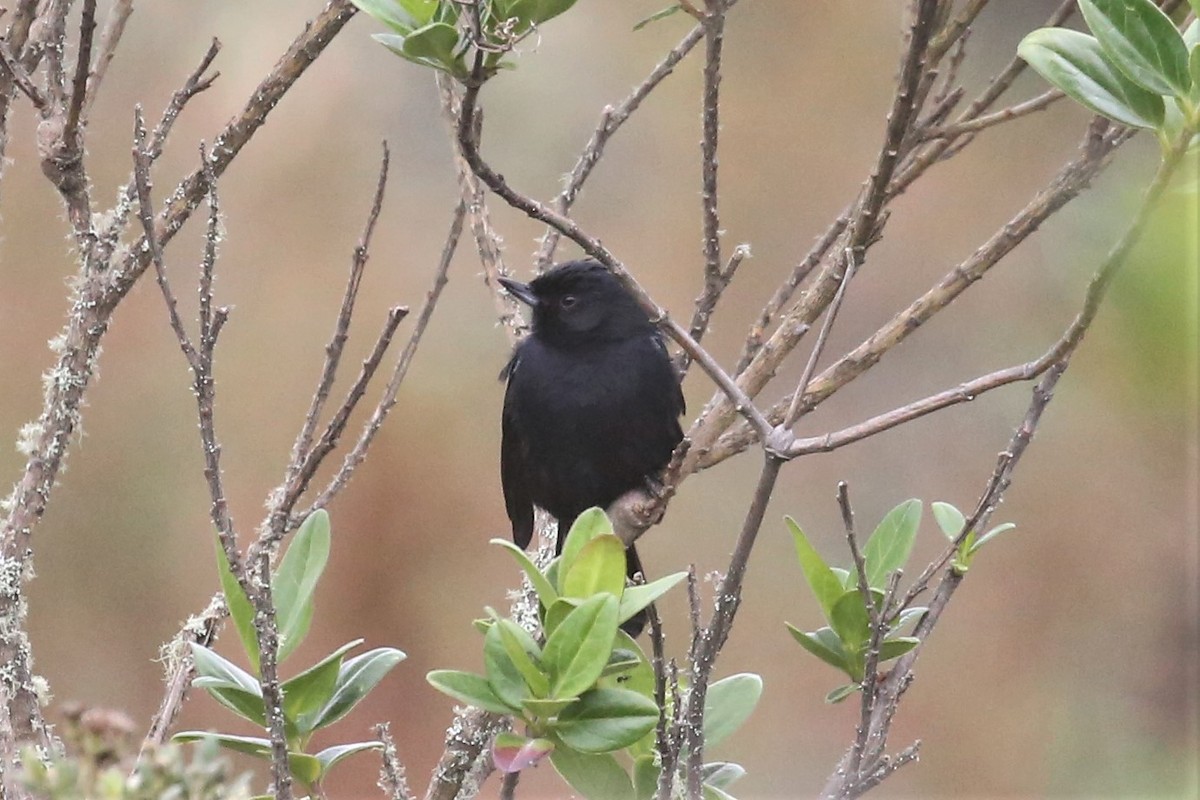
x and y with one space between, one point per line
519 290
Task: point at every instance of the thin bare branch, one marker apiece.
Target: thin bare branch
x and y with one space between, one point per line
1012 112
110 38
392 778
611 120
793 412
341 329
1070 181
87 30
388 400
21 78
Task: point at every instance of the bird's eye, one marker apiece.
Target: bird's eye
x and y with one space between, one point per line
568 300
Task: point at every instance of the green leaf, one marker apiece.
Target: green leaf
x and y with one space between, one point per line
1142 42
987 537
888 548
639 678
357 677
549 9
245 704
545 590
849 621
842 692
306 695
435 41
302 766
722 774
395 43
728 703
949 519
293 584
332 755
713 793
557 612
896 647
830 652
639 597
909 615
599 567
502 674
1194 60
588 525
525 655
1075 63
824 583
545 707
469 688
512 752
390 13
421 11
211 665
604 720
596 777
575 654
657 15
239 607
645 777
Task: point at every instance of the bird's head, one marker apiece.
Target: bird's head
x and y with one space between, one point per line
580 301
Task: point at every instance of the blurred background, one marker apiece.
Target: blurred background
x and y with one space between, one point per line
1066 665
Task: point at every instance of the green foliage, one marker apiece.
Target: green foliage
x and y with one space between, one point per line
952 521
587 694
429 33
160 772
1136 69
844 643
313 699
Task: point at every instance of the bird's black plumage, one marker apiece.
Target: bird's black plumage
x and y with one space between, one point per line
592 405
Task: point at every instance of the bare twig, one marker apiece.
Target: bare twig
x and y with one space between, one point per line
304 457
388 400
1012 112
392 778
268 651
79 90
1070 181
793 412
611 119
715 280
851 783
110 38
21 78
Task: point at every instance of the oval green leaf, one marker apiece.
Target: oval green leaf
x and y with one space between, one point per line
306 695
239 607
332 755
525 656
545 590
587 526
594 776
357 677
502 674
824 583
728 703
604 720
889 546
639 597
599 567
949 519
1142 42
828 651
1075 63
469 688
295 581
575 654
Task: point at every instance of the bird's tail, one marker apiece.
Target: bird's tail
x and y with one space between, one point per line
633 565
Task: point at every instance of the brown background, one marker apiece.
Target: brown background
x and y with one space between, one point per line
1066 665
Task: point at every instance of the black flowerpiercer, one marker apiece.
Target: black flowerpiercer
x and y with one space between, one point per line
592 405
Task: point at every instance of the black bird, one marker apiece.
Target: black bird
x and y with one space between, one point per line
592 405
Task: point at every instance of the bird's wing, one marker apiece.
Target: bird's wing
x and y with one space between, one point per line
514 478
680 403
